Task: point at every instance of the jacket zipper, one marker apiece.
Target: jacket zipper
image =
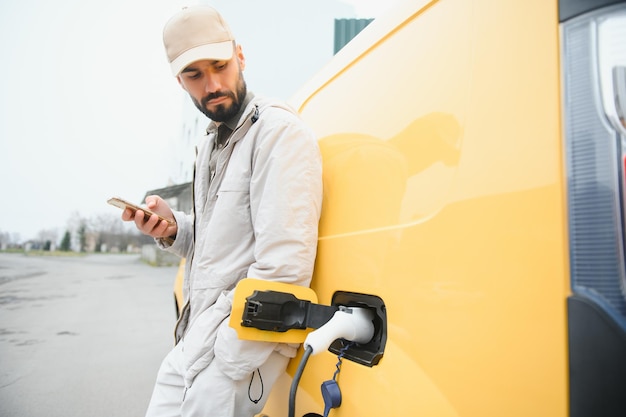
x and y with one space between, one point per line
252 116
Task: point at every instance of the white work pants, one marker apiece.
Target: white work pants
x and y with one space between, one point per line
212 393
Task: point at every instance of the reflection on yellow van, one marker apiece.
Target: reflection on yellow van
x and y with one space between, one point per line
473 183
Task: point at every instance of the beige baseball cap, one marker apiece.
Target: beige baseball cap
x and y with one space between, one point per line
195 33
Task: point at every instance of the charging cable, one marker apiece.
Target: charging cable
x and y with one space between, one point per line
354 324
296 380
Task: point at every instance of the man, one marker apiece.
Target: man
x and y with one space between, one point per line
257 200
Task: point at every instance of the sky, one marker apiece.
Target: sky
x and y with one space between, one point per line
88 107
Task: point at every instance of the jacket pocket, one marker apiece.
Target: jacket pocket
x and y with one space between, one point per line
224 247
233 203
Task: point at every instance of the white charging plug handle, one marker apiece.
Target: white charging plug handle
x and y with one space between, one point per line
354 324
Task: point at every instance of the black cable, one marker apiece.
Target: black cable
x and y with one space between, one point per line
296 380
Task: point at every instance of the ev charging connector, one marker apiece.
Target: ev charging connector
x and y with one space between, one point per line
354 324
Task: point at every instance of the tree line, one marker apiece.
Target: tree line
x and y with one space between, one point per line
98 233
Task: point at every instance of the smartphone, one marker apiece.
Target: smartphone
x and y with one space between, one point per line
123 204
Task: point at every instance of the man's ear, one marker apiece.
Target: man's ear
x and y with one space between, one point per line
180 82
240 57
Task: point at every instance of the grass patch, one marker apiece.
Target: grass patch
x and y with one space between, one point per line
53 253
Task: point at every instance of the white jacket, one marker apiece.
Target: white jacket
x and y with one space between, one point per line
258 218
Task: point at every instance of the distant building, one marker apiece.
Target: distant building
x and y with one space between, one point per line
178 197
346 29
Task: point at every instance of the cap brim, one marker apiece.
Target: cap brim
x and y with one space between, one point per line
221 51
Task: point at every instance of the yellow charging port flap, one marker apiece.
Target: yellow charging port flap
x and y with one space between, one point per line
245 288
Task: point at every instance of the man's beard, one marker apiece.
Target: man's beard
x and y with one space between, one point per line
224 112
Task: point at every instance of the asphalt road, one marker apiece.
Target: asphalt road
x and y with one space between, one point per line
81 336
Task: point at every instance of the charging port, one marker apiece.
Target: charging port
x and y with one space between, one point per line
370 353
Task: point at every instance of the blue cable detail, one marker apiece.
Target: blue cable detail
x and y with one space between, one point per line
330 389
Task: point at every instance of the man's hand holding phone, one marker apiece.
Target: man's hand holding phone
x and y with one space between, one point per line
156 219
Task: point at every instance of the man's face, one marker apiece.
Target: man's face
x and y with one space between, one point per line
217 88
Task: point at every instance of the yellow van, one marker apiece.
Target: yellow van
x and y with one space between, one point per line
474 197
473 173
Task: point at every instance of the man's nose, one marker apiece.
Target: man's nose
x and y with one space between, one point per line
212 84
